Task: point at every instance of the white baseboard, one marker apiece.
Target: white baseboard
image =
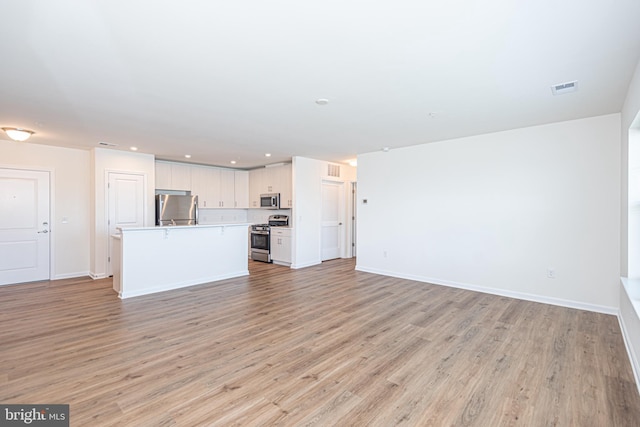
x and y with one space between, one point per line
306 264
501 292
70 275
97 276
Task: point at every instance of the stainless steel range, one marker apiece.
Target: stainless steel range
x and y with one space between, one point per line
261 237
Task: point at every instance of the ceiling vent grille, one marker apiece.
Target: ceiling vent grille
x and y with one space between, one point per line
107 144
563 88
333 170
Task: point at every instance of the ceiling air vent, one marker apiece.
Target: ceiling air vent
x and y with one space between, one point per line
107 144
563 88
333 170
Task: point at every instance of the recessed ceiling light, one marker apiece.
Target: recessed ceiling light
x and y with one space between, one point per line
267 154
188 156
385 149
133 148
322 101
233 162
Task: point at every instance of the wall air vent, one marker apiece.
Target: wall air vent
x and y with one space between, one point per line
563 88
333 170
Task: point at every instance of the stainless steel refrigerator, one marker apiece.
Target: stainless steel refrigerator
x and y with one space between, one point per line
176 210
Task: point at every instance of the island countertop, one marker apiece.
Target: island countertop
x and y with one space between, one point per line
155 259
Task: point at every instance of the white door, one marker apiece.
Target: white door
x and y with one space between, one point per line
24 226
332 228
126 204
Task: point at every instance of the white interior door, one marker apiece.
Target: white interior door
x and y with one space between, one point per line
332 219
24 226
126 205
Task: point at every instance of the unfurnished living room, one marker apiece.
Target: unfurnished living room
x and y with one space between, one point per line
400 213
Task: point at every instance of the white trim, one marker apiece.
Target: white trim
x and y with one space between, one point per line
626 298
95 276
52 210
633 358
501 292
107 172
72 275
306 264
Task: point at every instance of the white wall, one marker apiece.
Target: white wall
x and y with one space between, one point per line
70 173
494 212
630 119
307 208
104 161
630 222
307 203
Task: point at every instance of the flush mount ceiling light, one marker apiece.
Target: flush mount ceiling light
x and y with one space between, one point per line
18 134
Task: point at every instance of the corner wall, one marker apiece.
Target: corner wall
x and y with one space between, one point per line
70 173
307 209
103 161
628 317
496 212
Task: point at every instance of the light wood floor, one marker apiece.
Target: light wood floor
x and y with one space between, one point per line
320 346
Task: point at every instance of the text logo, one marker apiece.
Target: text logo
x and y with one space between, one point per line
34 415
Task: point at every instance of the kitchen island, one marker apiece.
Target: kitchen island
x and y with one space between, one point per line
155 259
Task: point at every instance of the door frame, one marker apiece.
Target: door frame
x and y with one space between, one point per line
353 218
108 270
52 222
342 213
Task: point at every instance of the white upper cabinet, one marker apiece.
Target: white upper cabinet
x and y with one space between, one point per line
180 176
284 186
241 187
256 177
173 176
163 175
204 184
272 179
226 187
215 187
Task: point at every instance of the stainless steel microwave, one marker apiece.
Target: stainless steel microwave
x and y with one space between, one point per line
270 201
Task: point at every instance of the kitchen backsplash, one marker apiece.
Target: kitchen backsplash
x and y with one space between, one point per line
218 216
253 216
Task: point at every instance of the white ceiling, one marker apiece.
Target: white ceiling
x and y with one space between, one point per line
232 80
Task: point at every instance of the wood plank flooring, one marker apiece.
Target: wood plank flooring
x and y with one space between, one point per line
320 346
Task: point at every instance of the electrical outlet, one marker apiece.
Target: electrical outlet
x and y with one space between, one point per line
551 273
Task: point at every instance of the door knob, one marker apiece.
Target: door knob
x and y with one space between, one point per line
43 231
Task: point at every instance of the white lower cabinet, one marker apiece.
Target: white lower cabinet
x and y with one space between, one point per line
281 245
